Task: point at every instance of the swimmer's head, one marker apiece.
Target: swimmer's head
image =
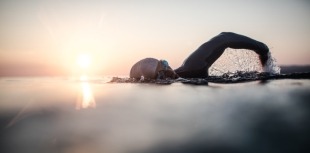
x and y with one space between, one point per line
165 71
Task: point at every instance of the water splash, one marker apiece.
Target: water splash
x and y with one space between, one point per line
234 60
271 66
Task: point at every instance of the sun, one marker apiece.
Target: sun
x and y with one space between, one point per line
83 61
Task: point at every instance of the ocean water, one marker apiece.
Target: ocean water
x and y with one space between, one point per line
75 115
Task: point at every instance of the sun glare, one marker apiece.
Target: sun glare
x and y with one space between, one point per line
83 61
86 98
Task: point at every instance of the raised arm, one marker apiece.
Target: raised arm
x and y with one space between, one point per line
198 63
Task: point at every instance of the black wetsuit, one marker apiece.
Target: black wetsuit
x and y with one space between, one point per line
198 63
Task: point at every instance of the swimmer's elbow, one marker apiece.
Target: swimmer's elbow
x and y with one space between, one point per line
226 33
263 53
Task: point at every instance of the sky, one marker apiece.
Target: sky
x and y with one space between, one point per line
53 37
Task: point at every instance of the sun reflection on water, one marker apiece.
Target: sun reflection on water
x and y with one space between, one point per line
85 98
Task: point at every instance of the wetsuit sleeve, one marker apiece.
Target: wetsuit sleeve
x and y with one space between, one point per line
198 63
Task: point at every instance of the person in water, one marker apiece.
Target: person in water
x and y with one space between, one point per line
198 63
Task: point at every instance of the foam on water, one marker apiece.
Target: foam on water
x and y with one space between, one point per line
234 60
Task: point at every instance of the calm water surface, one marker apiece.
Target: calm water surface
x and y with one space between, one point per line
90 115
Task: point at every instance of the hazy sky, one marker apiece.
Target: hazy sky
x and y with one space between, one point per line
47 36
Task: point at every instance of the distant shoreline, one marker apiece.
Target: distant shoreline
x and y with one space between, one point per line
286 69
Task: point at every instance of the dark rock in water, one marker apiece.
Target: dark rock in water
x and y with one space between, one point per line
237 77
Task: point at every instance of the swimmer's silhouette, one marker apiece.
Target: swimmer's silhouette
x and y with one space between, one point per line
198 63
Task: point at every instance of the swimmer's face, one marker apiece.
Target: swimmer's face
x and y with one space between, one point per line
165 71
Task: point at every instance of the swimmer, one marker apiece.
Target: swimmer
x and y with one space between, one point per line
151 68
198 63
